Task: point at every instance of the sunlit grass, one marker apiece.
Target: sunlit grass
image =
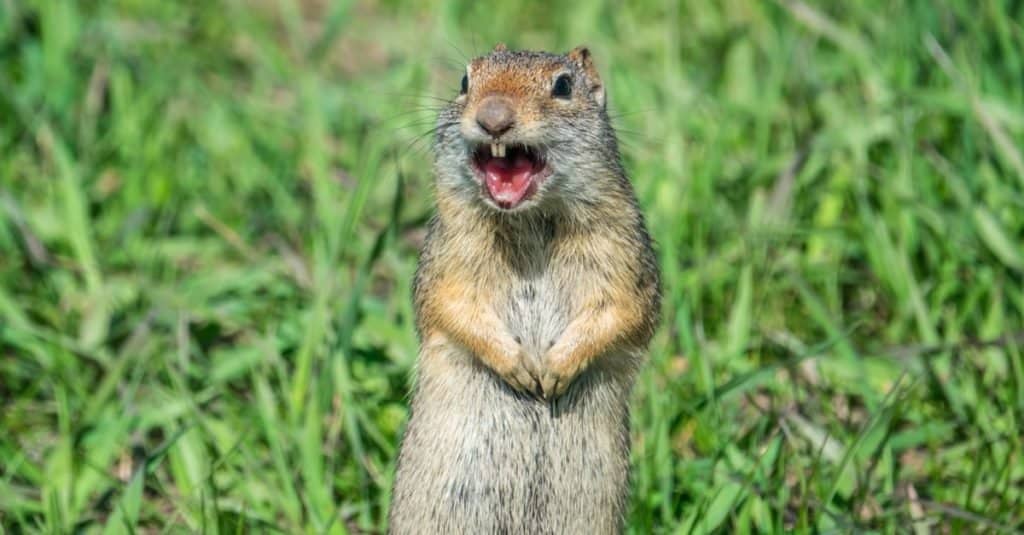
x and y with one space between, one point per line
210 213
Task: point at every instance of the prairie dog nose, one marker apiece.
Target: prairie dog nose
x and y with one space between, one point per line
495 115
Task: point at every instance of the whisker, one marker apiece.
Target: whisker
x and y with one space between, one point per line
426 112
415 124
465 59
425 135
620 115
449 63
417 95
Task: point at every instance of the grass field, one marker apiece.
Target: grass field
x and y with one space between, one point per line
210 214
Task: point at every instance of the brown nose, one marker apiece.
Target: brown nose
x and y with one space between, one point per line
495 115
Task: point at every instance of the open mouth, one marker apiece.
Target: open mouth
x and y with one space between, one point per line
511 174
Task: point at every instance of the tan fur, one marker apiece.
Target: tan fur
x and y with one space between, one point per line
520 88
533 323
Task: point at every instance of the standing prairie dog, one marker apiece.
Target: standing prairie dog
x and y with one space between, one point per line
536 296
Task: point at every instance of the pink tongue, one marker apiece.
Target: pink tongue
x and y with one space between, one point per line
508 180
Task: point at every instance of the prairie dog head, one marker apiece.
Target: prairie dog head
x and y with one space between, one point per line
526 128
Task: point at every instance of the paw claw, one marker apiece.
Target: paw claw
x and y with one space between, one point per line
545 384
554 385
522 378
519 379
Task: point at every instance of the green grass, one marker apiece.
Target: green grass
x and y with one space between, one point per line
210 213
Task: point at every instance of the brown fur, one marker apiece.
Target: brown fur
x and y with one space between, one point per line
533 322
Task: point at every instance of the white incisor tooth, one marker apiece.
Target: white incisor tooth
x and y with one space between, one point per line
501 150
494 150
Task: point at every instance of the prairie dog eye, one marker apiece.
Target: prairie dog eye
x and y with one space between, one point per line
465 84
562 87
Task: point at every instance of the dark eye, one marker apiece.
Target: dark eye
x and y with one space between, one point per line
563 87
465 84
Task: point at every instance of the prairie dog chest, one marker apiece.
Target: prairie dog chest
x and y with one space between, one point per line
536 311
538 284
539 293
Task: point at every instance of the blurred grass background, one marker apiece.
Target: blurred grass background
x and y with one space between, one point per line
210 214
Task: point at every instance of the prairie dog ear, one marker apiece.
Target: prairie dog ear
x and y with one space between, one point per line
581 57
500 47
